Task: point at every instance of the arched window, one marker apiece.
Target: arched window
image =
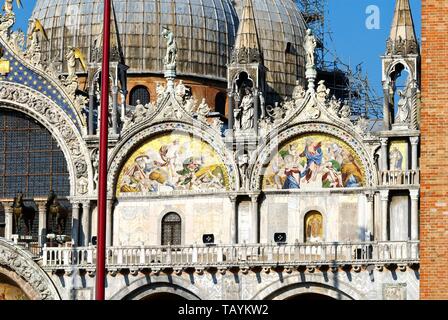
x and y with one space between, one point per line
30 159
220 103
314 227
30 162
171 229
139 93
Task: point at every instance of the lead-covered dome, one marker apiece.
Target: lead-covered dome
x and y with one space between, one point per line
205 30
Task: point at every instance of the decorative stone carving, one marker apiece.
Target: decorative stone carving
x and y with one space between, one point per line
190 105
394 291
181 91
45 110
203 110
34 51
217 124
345 112
160 90
7 20
322 91
21 263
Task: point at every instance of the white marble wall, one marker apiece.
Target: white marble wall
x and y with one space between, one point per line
344 215
137 221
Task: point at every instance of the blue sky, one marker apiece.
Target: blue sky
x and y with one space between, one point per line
350 39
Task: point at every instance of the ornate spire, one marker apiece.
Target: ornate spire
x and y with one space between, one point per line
116 54
402 40
247 46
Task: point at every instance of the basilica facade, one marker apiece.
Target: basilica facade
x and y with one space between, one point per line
233 171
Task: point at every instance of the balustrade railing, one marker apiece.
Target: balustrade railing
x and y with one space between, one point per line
394 178
235 255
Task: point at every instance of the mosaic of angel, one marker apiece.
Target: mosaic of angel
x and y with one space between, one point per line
315 161
173 162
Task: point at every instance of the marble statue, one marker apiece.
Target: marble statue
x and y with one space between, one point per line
404 109
310 46
140 112
247 110
243 165
298 93
203 109
171 49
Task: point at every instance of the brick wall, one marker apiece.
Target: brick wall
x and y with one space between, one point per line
434 150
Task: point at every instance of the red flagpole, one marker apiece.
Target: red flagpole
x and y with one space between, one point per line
102 179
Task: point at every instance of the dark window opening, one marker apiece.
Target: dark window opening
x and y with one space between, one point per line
220 103
171 229
140 93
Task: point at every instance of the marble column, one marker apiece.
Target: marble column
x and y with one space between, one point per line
384 214
9 220
230 113
85 223
414 214
255 236
256 113
414 147
109 213
384 157
234 220
115 110
75 223
386 108
42 210
123 106
370 217
91 107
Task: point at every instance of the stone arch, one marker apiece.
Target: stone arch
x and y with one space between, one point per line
394 64
42 109
18 264
146 286
267 151
311 283
122 151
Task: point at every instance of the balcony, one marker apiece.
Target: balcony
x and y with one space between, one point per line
399 178
228 256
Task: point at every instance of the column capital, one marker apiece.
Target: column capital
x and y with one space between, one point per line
254 197
384 195
414 140
370 195
384 141
86 203
233 197
415 194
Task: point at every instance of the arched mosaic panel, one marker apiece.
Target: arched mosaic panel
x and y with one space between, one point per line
313 161
173 162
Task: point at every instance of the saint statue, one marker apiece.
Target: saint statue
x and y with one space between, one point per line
310 45
171 47
247 108
403 108
203 109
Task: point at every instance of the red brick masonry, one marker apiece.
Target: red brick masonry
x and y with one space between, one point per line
434 151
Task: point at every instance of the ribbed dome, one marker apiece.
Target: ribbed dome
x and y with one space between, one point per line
280 22
205 31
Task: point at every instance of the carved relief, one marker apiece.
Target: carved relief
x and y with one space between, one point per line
44 109
20 262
